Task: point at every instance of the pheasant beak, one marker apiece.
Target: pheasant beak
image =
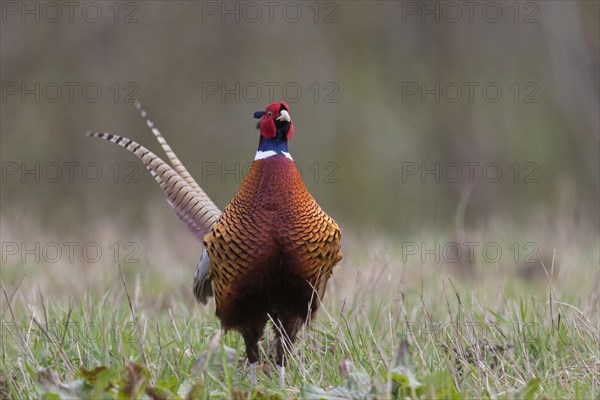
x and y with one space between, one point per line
284 116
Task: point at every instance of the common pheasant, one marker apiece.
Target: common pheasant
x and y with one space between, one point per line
270 253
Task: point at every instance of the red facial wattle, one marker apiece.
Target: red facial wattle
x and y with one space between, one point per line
267 124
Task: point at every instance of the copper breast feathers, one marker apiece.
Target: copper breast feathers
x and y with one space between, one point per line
272 233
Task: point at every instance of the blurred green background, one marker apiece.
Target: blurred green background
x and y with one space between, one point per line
378 96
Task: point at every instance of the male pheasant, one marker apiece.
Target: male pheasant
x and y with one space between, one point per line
270 253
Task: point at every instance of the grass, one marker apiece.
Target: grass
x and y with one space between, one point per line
388 328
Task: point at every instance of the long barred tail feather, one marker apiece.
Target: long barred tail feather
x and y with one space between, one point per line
175 162
194 208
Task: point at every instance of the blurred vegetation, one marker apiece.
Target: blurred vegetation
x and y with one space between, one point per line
370 53
387 329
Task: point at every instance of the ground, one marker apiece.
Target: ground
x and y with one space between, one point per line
396 322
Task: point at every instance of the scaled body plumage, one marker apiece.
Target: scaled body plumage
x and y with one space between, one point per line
270 253
271 249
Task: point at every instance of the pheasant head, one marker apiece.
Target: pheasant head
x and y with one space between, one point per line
276 129
275 122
